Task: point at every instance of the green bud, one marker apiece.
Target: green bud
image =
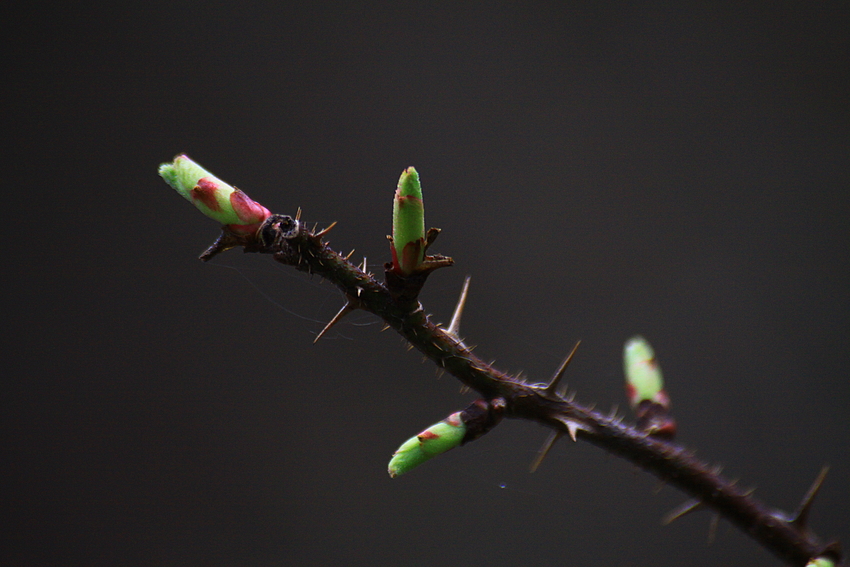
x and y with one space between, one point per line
821 562
643 375
435 440
212 196
408 245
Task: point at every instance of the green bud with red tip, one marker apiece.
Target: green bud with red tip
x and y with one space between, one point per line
213 197
408 239
645 388
435 440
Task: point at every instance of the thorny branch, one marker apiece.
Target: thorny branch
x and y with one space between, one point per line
292 243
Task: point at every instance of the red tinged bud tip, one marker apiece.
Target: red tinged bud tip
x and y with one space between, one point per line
205 192
427 434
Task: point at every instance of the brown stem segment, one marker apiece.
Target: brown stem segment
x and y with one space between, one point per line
293 244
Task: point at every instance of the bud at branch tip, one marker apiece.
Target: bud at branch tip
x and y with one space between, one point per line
213 197
408 238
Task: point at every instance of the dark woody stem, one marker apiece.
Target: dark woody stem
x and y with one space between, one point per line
291 243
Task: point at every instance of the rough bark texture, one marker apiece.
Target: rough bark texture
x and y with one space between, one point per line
292 243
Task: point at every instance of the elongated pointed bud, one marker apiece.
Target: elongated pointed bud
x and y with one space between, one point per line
461 427
643 375
435 440
645 388
213 197
408 239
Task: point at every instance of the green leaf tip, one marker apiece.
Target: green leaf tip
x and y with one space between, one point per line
435 440
212 196
643 375
821 562
408 239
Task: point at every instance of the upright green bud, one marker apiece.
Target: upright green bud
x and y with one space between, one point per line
645 388
435 440
408 240
212 196
643 375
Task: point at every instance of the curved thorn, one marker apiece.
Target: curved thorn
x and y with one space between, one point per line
454 326
553 383
573 427
544 450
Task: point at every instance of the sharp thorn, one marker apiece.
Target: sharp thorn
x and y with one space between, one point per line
544 450
801 516
350 254
363 265
553 383
385 327
464 389
298 214
346 309
325 230
573 428
454 326
712 527
686 508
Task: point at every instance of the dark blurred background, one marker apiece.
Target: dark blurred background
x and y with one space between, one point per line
678 170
